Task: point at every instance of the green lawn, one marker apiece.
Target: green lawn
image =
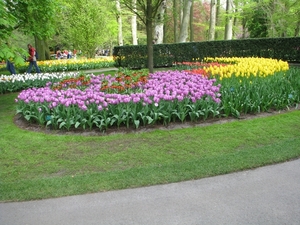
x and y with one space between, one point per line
37 165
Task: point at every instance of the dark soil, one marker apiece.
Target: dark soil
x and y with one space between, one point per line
25 125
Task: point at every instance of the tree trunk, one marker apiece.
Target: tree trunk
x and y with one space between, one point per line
185 21
149 30
217 18
192 22
175 19
111 48
134 25
229 20
297 30
47 50
244 22
165 29
41 48
159 27
212 24
119 19
235 22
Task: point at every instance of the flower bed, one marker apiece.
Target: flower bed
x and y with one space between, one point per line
136 98
246 67
19 82
165 97
63 65
240 67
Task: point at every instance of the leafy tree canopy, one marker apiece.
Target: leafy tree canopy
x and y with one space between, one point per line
32 17
7 23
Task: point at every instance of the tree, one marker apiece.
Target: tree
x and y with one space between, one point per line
283 16
88 21
134 24
119 19
212 23
218 7
35 18
7 23
269 18
192 22
146 10
185 20
257 25
229 20
159 23
175 19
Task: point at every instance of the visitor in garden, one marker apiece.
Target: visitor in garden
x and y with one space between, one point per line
74 53
69 54
65 54
32 59
58 54
10 67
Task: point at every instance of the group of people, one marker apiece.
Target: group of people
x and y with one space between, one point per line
31 59
104 52
65 54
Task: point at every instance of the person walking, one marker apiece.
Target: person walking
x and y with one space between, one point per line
9 64
10 67
32 59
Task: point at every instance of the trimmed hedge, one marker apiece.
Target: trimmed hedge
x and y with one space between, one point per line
135 56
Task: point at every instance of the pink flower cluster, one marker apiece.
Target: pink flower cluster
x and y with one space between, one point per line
167 86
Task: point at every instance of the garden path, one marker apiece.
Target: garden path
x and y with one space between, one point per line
268 195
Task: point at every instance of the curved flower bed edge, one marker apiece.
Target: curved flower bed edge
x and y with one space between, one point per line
141 99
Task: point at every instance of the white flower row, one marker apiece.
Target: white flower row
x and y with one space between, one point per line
36 76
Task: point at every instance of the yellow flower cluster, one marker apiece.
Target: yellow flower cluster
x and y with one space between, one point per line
74 61
245 67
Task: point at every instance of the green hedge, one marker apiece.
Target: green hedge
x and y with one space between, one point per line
287 49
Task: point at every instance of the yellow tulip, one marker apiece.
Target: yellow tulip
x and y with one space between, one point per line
248 66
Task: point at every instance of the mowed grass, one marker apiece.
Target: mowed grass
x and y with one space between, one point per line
37 165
